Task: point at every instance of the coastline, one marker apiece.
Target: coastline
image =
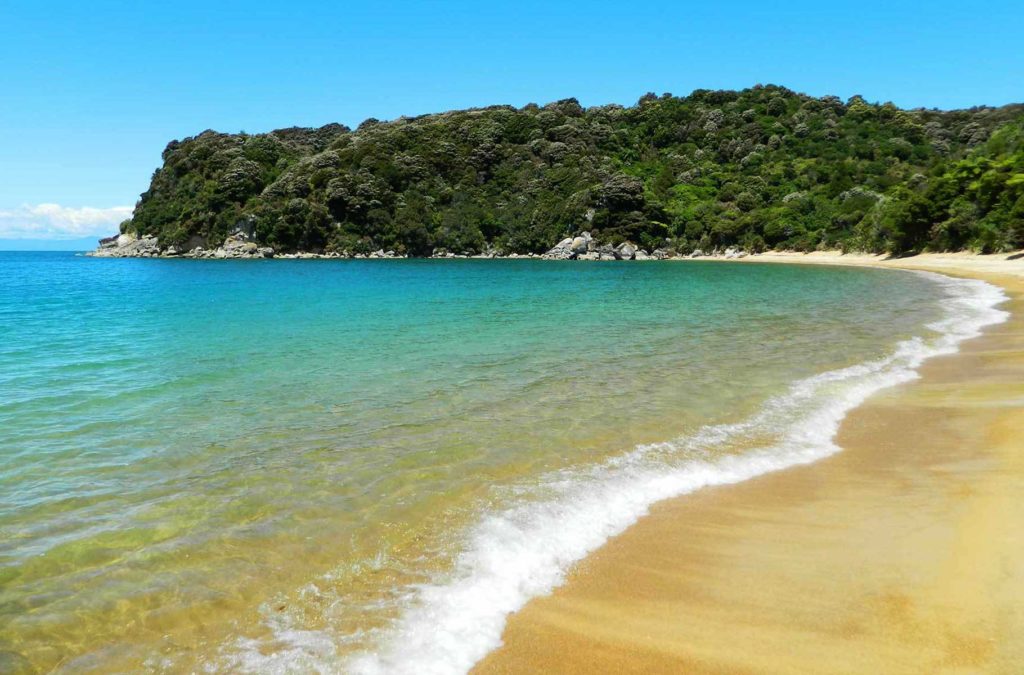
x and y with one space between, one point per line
903 553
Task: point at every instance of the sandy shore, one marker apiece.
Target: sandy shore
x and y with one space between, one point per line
902 554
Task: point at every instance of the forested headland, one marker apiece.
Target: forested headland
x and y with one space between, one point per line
763 168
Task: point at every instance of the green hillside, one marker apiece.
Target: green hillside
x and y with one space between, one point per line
760 168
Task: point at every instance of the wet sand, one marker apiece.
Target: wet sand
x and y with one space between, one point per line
902 554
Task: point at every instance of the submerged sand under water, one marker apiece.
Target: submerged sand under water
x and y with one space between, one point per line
903 553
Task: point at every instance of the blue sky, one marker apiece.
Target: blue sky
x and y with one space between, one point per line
90 93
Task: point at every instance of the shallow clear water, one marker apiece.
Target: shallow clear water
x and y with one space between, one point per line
282 464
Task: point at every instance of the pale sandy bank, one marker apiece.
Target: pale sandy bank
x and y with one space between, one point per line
902 554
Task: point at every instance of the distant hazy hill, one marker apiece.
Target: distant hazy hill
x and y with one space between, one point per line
763 167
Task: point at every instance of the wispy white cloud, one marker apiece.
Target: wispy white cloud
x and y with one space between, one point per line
53 221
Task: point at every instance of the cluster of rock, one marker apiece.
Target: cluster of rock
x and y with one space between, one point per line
730 253
487 254
241 245
375 255
128 246
585 247
238 245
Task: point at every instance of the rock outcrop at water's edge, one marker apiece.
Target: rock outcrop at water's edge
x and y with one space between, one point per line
128 246
240 245
585 247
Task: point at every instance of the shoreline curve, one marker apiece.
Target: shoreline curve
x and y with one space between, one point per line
891 555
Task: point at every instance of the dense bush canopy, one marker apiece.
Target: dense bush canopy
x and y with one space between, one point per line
760 168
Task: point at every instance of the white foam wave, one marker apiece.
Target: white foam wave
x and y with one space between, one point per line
524 551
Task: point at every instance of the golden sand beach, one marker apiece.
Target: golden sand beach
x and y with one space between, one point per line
902 554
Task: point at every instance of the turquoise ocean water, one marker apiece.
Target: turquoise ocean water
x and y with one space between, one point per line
335 466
